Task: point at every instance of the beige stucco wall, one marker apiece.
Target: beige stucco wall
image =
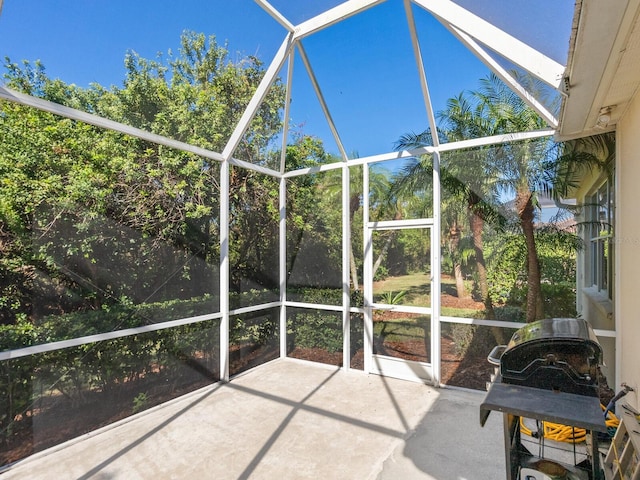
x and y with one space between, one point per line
597 309
627 244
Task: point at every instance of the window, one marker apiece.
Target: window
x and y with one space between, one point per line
601 218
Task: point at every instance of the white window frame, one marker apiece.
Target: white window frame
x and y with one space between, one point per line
601 236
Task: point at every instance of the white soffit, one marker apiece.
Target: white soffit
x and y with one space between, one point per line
603 69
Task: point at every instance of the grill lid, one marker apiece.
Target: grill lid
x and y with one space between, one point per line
551 329
561 354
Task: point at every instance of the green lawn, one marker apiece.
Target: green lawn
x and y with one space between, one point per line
400 330
418 292
416 285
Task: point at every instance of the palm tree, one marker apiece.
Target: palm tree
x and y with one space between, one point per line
473 190
417 176
531 168
476 175
520 170
521 164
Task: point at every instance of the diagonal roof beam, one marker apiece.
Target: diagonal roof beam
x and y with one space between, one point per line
505 76
423 76
287 114
91 119
277 16
258 96
101 122
516 51
333 15
323 104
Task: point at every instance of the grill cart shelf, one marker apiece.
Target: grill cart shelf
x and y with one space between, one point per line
515 401
548 372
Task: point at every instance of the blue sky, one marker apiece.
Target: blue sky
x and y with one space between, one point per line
365 65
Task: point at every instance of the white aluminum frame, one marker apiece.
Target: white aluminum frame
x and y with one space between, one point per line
472 31
224 271
323 103
435 229
387 365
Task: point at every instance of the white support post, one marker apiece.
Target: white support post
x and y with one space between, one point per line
346 243
435 230
367 273
282 262
224 271
436 274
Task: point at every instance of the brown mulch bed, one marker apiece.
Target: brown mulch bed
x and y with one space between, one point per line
455 302
56 419
470 371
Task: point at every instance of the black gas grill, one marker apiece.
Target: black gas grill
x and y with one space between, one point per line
548 372
559 354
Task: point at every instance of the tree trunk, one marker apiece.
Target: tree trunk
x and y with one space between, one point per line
383 252
353 268
354 205
454 248
535 306
477 224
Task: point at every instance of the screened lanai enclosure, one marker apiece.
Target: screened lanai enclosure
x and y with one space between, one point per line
190 192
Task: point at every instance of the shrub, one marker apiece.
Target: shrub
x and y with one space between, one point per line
462 337
381 273
314 329
140 402
391 298
16 379
510 313
559 299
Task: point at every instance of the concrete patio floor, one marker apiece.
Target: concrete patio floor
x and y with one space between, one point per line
290 420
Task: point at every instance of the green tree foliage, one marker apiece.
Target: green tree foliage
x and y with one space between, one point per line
253 226
101 231
91 217
508 274
314 225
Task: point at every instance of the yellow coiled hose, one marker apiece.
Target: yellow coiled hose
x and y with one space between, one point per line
566 433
